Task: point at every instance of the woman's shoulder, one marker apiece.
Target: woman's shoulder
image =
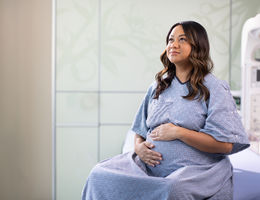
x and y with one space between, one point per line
212 82
153 85
151 89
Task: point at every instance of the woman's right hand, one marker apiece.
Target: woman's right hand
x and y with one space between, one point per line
143 150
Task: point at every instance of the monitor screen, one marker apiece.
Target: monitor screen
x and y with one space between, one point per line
257 54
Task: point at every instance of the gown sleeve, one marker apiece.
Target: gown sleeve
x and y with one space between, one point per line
139 125
223 121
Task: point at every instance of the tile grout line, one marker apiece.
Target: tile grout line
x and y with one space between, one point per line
99 79
230 42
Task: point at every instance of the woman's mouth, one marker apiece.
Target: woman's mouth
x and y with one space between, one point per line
174 52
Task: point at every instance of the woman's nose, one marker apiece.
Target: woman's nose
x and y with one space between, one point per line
175 44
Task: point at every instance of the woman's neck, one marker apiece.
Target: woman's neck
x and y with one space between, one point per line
183 73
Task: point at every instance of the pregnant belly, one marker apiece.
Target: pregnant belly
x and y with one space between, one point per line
177 154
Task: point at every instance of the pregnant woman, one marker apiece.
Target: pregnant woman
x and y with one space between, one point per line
185 127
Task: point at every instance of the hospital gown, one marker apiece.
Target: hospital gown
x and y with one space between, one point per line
185 172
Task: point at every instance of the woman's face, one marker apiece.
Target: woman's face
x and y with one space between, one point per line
178 48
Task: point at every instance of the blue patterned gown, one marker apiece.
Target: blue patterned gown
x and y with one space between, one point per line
185 172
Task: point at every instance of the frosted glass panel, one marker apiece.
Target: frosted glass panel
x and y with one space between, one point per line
120 108
112 140
133 37
76 155
77 108
77 45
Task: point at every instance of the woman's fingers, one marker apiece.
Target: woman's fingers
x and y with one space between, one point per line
155 154
156 157
156 134
152 162
153 158
149 145
150 157
152 154
155 138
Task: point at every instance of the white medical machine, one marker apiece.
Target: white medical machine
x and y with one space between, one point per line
250 76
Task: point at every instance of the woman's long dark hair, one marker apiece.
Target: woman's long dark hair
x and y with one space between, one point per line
199 58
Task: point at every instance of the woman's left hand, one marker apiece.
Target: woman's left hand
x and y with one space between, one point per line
165 132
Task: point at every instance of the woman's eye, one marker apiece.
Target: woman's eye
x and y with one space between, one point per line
182 39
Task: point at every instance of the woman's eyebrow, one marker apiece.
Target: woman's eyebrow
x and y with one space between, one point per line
182 35
172 36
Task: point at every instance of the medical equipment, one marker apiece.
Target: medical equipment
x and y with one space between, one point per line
250 71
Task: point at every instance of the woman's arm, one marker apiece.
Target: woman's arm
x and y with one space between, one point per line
198 140
203 141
